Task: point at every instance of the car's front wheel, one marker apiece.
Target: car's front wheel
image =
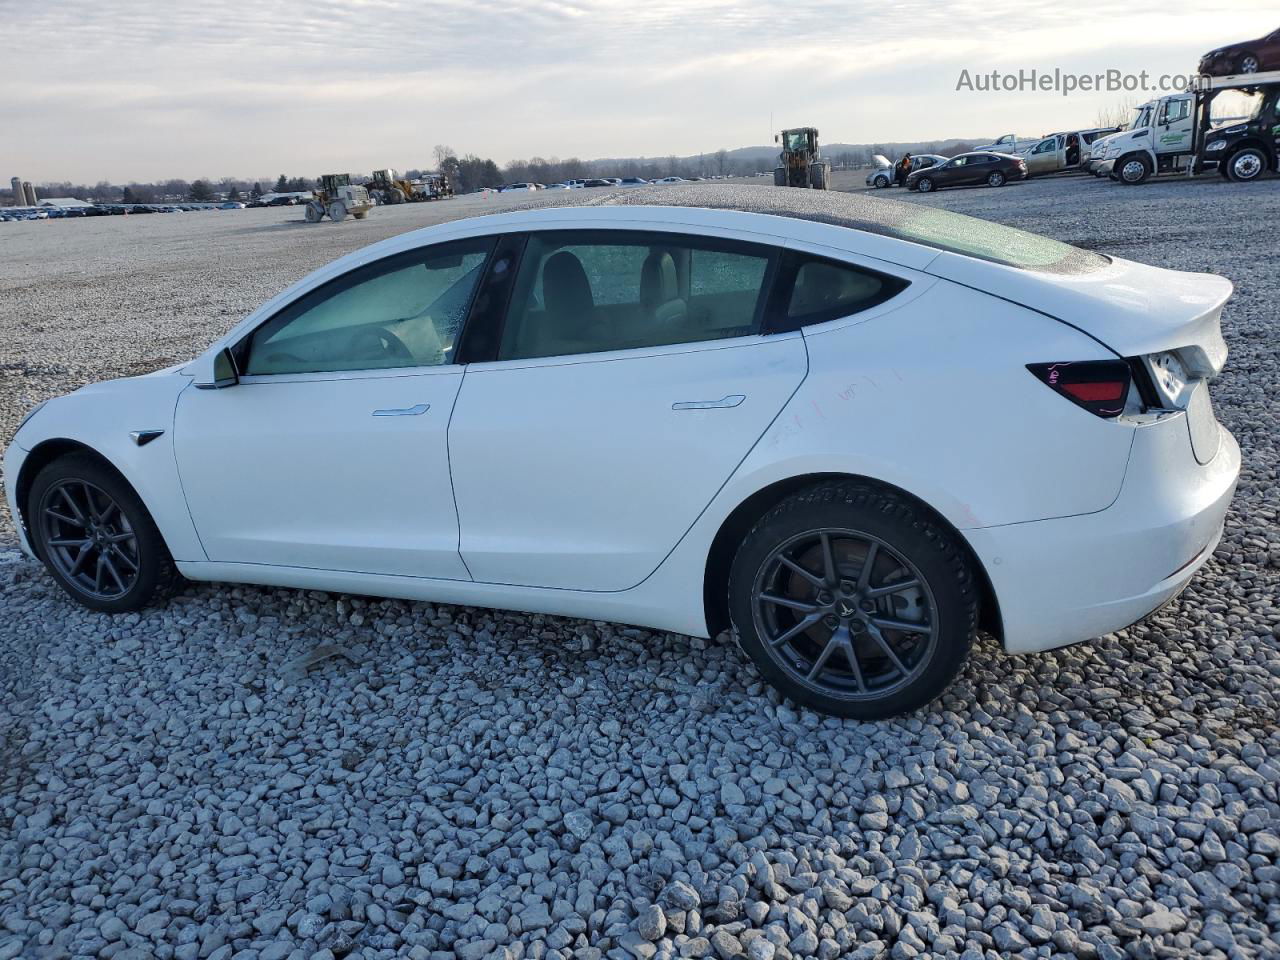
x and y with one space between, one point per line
854 601
1133 169
95 536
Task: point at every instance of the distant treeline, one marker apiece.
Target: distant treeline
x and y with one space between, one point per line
469 172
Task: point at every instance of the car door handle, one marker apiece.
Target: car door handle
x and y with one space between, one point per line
730 401
416 410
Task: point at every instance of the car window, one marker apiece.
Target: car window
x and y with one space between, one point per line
959 161
403 311
823 290
588 292
1047 146
1175 110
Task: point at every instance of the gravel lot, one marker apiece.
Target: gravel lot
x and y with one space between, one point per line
265 774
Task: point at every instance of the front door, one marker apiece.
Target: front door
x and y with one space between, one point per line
630 381
331 452
1044 157
1173 126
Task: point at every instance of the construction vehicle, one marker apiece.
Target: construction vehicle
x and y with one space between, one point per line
433 186
387 186
800 164
337 196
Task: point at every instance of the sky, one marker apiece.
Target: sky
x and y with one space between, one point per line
138 90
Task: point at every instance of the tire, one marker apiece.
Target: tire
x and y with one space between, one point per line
313 212
925 185
1132 170
1247 165
818 176
361 215
395 195
779 176
1249 63
880 182
995 179
121 529
337 211
814 665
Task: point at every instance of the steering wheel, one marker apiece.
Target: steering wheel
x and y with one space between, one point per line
378 343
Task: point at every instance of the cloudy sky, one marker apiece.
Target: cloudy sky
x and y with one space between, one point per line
135 89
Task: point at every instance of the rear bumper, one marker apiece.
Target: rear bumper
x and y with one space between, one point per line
1070 579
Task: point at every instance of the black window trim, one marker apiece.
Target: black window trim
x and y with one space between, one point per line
482 346
789 266
356 275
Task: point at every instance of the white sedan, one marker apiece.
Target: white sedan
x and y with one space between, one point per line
854 433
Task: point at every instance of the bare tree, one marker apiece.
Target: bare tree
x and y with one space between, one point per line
1117 114
442 154
722 160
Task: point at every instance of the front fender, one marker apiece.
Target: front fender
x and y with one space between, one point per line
101 417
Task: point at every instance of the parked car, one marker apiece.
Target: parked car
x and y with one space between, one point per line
597 182
882 173
1011 144
517 187
231 205
967 169
670 180
902 446
633 182
1250 56
282 202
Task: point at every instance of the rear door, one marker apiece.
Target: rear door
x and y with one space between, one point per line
628 379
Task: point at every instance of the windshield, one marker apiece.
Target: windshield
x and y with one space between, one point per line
797 140
1143 119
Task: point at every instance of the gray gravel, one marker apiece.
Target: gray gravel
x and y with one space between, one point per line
266 774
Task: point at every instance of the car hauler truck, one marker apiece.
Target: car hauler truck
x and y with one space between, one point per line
1246 149
1180 132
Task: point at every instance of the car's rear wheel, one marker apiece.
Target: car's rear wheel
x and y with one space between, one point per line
995 179
95 536
854 601
924 184
1246 165
1249 63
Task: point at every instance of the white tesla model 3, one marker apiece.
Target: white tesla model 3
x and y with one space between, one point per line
852 429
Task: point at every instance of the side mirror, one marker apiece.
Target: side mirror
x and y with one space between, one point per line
215 371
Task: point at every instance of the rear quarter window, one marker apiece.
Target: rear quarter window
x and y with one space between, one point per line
814 290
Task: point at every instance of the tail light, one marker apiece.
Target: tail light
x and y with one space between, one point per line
1100 386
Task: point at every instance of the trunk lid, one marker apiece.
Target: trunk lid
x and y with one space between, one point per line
1134 309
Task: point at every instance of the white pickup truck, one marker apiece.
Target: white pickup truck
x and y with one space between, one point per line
1172 136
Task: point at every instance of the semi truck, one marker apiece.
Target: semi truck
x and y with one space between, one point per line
1180 134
